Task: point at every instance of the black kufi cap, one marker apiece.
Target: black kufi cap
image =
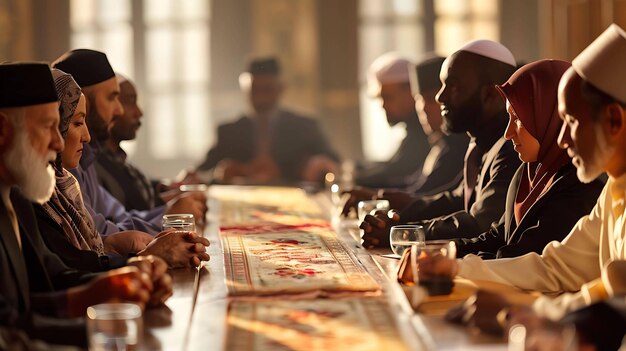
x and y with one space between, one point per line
267 65
88 67
426 74
26 84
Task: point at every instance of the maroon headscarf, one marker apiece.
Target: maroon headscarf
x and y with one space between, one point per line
532 92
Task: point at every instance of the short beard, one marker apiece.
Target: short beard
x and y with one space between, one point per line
33 174
98 129
588 172
463 118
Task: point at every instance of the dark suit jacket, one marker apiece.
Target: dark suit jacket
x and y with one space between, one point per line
293 139
443 215
30 279
443 166
550 218
407 161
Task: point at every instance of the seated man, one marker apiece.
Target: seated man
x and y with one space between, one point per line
470 104
36 288
588 264
390 83
120 178
270 144
443 166
92 71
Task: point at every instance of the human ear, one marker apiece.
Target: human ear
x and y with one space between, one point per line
616 118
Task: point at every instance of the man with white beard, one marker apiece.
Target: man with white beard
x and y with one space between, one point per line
33 281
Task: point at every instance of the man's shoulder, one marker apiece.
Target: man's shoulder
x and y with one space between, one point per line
237 124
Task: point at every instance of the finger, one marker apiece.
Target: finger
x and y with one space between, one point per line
393 215
367 228
204 256
194 261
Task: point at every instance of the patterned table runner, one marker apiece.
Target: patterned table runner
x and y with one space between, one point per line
293 262
345 324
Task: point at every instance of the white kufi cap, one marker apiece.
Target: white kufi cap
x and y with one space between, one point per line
490 49
387 69
603 62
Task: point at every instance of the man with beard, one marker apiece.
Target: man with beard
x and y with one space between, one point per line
589 265
120 178
389 81
92 71
36 288
470 104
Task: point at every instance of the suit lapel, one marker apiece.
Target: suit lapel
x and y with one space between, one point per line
489 158
14 253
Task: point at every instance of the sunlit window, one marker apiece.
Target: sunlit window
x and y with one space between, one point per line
163 45
459 21
384 26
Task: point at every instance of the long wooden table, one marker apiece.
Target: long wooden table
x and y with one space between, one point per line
195 317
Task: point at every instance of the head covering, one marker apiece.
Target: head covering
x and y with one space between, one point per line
532 92
25 84
602 63
66 206
120 78
263 65
388 69
88 67
490 49
425 75
68 92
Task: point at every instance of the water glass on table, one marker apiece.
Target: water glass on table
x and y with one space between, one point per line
434 250
114 326
402 237
183 222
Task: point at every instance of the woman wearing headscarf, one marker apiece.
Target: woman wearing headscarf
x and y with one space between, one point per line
68 228
545 198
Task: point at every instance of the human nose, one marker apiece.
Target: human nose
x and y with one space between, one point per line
86 137
57 144
510 132
564 140
441 95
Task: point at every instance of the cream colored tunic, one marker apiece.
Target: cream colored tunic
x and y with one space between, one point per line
573 265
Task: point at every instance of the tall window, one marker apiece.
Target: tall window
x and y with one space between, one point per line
163 46
402 26
384 26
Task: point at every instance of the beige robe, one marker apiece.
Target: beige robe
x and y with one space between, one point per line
573 266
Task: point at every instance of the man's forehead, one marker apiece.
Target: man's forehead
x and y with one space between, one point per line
42 112
458 65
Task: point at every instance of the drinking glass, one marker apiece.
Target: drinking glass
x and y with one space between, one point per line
114 326
183 222
194 187
370 207
434 249
401 237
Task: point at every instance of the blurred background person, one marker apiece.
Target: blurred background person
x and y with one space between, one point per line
268 144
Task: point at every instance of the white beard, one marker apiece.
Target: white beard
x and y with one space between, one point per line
587 172
34 175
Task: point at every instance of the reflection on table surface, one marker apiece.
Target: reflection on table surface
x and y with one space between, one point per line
196 317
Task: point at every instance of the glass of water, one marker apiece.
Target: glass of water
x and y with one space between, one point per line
183 222
114 326
402 237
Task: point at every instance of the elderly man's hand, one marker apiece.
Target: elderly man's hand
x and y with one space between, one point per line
126 242
357 194
190 202
178 249
376 228
156 268
126 284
